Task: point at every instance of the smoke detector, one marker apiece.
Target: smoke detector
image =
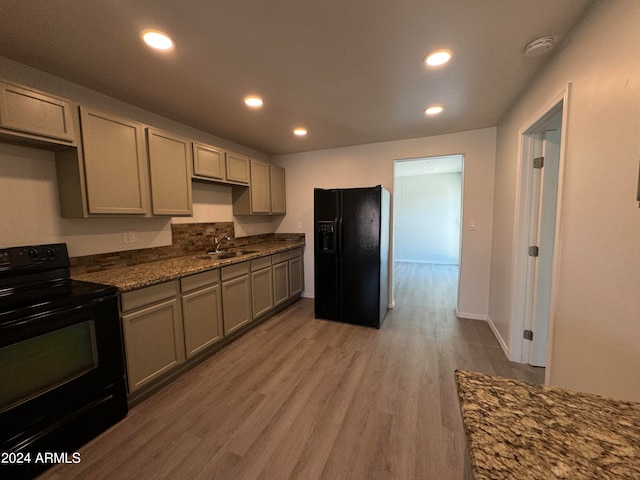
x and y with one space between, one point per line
539 47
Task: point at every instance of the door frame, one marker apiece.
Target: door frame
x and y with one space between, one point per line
392 237
518 346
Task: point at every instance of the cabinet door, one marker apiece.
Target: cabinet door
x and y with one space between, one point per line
153 342
296 276
261 292
278 195
259 188
202 317
30 111
236 303
237 168
208 162
114 163
280 283
170 168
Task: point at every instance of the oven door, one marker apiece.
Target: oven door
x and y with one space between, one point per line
53 364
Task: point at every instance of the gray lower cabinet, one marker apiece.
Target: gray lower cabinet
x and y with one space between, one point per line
201 311
236 296
153 335
168 324
296 272
280 282
261 286
288 275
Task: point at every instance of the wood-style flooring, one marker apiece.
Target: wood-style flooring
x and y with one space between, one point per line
300 398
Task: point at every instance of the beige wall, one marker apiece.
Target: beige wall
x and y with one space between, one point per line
30 212
372 164
595 334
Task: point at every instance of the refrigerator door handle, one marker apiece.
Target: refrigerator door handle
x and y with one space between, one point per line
339 237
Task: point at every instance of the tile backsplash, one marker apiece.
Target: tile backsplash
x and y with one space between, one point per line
186 239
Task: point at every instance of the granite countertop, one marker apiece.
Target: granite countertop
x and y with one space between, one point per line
517 430
146 274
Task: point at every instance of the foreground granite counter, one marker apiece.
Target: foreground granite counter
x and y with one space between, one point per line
520 431
146 274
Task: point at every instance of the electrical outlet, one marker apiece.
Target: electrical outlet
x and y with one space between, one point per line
129 236
299 226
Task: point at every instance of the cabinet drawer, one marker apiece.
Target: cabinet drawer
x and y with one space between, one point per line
295 253
233 271
148 295
279 257
199 280
260 263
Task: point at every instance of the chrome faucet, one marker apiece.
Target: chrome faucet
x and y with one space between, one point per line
217 242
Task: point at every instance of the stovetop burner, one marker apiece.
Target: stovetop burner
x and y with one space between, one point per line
36 279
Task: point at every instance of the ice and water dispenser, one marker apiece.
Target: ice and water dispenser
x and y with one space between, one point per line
325 236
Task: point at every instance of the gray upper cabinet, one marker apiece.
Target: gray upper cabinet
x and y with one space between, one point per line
237 168
170 169
216 165
260 191
266 192
28 111
208 162
277 190
114 164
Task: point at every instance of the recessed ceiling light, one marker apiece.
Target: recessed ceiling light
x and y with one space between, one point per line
300 132
253 101
434 110
157 40
437 58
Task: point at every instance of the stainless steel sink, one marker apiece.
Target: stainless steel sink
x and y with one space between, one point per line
224 255
242 252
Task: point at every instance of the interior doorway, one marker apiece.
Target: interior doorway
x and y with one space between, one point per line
541 159
427 210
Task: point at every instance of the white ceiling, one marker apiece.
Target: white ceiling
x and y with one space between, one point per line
350 71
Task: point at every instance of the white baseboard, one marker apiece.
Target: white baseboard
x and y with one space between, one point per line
470 316
433 262
496 334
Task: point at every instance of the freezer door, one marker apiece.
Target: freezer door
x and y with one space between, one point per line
327 281
359 243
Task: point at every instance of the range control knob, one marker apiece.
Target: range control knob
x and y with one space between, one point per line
33 253
51 252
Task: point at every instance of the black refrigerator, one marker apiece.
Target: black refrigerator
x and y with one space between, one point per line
351 254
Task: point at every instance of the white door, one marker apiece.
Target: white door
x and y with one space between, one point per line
539 198
543 202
